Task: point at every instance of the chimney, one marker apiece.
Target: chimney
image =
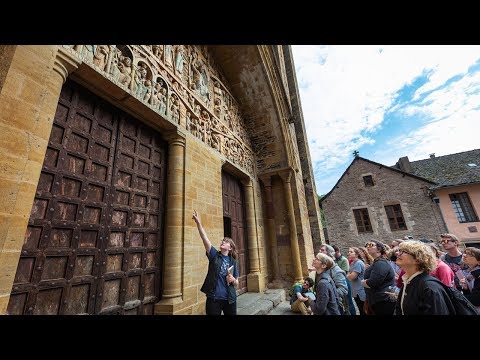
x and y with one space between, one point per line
404 164
432 155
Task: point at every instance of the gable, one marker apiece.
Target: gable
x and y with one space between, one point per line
353 177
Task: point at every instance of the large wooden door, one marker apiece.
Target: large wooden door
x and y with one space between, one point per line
234 223
94 237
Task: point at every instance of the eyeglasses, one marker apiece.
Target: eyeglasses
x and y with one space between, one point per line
444 241
466 254
400 252
370 244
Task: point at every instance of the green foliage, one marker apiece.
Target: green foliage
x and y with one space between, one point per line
322 215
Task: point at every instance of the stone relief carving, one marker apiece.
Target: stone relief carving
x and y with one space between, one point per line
183 84
100 56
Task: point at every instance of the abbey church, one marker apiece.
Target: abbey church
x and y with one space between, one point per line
106 150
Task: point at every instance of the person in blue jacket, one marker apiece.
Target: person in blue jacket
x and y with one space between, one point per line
222 276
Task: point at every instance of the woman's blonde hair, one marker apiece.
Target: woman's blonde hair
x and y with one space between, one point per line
426 260
325 259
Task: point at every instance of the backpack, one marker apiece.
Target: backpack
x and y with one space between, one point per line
342 301
461 305
291 292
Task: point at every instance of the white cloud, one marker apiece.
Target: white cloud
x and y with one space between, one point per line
346 90
453 123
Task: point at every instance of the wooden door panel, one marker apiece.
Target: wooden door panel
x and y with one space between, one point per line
233 207
94 238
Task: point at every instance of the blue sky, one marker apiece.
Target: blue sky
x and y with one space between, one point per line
386 102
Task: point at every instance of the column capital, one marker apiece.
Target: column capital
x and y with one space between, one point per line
247 181
266 180
65 63
175 137
286 174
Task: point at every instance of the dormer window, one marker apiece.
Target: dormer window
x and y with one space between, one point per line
368 180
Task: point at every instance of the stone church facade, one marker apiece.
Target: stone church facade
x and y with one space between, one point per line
108 149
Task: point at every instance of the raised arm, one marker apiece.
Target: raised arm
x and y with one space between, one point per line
202 232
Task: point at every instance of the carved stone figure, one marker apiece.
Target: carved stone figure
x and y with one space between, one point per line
157 51
87 52
169 56
125 70
191 101
196 110
187 120
148 90
162 97
139 82
217 107
154 99
100 56
175 108
179 59
199 81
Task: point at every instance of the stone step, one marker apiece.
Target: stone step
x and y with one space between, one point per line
282 309
260 303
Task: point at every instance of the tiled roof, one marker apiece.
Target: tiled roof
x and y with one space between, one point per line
450 170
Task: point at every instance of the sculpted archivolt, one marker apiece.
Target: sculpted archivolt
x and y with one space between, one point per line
182 83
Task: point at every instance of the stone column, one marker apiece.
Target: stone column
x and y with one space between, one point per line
174 226
255 280
286 177
272 238
28 102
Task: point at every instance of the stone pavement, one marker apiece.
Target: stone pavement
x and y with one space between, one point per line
271 302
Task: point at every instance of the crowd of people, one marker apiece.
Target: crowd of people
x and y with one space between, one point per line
408 277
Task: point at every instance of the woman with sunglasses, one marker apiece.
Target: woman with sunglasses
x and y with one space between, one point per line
379 278
418 296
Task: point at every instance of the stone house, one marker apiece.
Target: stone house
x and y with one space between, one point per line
456 190
108 149
374 201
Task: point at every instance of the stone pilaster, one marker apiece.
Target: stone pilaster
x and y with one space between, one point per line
28 101
286 177
272 239
174 231
255 281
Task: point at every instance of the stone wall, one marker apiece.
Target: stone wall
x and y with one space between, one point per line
304 152
420 213
28 101
203 192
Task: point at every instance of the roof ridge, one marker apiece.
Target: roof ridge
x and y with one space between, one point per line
443 156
